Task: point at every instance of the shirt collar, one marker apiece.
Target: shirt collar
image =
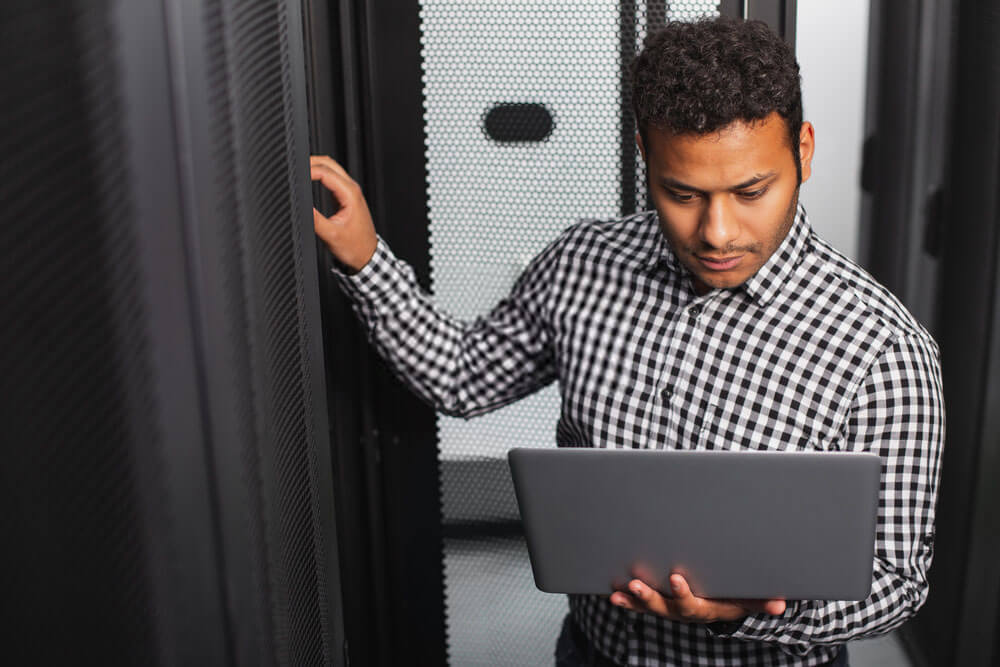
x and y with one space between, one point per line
764 285
660 252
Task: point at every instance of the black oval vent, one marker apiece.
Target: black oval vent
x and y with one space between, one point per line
514 122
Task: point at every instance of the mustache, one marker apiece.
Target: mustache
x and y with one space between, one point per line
705 249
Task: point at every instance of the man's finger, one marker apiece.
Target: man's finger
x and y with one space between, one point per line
684 601
624 600
775 607
680 589
320 222
339 185
651 598
316 170
328 162
638 597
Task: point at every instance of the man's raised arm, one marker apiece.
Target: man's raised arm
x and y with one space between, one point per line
461 368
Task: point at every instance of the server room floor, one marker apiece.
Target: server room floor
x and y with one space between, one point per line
496 616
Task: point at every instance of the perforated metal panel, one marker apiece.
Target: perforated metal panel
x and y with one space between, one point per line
529 128
267 345
165 491
689 10
76 571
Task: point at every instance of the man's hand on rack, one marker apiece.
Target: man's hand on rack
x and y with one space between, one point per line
349 233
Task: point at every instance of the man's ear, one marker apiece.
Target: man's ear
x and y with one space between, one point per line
807 146
642 149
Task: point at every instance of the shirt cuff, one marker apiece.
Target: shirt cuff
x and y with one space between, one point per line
384 282
723 628
759 627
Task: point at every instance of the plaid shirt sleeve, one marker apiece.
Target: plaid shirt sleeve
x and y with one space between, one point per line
462 369
898 412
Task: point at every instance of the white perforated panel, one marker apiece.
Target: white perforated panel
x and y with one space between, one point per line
495 202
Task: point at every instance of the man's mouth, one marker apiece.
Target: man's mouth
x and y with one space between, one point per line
720 263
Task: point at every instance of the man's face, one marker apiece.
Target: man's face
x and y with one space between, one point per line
726 199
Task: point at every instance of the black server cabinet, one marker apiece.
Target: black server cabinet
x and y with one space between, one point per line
449 130
931 217
167 479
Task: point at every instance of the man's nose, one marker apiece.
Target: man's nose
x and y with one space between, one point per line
719 227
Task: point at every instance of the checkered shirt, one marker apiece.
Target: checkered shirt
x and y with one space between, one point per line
809 354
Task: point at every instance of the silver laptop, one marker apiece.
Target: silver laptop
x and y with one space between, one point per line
736 524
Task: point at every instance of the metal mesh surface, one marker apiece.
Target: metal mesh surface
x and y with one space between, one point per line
529 127
259 219
76 575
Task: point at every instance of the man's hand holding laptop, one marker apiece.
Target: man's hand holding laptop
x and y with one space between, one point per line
684 606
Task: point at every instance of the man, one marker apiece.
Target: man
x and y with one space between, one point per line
719 320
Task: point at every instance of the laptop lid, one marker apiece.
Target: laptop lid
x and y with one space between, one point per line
736 524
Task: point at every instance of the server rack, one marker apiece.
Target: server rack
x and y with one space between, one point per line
930 223
167 486
428 511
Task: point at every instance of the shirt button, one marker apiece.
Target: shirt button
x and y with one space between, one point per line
667 394
695 311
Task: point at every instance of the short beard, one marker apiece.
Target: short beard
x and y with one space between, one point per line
756 248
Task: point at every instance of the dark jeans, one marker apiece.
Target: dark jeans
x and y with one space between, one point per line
573 650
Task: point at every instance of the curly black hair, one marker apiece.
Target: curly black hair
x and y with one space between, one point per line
698 77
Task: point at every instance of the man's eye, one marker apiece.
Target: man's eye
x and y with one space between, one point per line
680 196
753 194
